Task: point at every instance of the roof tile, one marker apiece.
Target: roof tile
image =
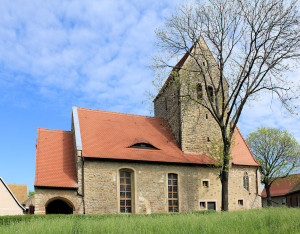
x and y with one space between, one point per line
55 159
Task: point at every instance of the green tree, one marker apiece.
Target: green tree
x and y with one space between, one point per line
31 193
253 43
277 151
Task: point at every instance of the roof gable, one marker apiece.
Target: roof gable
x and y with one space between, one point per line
11 194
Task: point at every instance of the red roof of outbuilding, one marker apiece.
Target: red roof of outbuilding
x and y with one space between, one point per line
55 159
282 186
108 135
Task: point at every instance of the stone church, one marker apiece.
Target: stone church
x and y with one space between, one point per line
113 163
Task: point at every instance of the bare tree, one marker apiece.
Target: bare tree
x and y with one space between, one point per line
278 153
253 43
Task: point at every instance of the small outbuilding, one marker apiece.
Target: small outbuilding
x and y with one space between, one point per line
284 192
9 205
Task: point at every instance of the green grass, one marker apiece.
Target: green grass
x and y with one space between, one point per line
272 220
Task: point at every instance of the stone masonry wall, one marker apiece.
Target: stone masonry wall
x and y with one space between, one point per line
150 186
238 192
276 201
167 106
44 195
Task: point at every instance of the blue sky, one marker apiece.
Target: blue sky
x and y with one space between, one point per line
93 54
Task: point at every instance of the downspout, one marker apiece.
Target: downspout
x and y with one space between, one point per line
82 181
257 181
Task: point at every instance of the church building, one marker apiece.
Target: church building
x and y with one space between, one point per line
112 163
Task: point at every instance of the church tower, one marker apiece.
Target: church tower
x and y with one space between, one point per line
178 101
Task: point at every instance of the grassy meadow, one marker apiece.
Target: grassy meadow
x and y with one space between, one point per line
272 220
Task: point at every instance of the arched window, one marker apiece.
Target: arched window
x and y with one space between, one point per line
210 93
246 181
199 91
126 194
173 192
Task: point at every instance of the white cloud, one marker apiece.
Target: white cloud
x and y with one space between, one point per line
97 49
94 54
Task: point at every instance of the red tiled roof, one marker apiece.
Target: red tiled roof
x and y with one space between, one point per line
55 159
108 135
282 186
241 153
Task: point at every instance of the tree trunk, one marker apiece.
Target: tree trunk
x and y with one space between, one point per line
225 176
269 201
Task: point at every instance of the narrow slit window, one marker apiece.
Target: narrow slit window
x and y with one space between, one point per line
246 181
210 93
125 191
199 92
173 192
166 103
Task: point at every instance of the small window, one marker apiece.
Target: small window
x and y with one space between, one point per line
205 184
206 116
208 140
211 205
210 93
202 205
283 201
240 202
199 92
246 181
203 63
143 146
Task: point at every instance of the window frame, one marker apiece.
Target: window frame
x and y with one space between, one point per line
204 181
133 189
178 193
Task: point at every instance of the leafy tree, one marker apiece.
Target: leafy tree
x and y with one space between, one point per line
253 43
277 151
31 193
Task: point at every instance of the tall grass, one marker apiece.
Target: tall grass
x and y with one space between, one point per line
273 220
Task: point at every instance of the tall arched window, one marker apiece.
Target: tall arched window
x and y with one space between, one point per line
173 192
199 91
246 181
126 194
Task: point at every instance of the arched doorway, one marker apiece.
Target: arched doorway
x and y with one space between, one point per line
59 206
